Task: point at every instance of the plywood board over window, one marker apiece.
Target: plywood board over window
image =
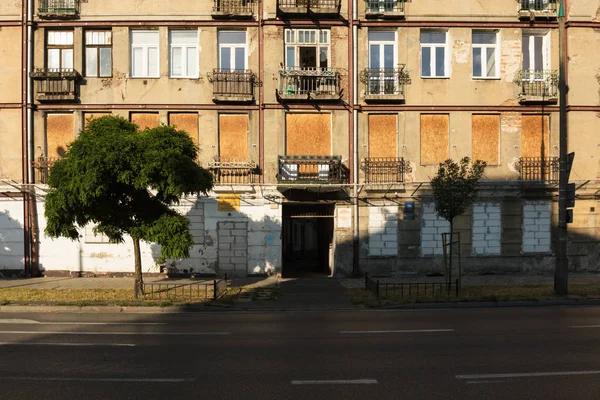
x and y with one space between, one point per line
145 120
187 122
90 116
434 138
307 134
233 137
485 138
535 135
382 136
59 133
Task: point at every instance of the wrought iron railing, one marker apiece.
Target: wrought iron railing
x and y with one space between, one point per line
42 167
233 85
545 169
311 169
233 7
233 172
313 5
58 8
313 82
211 290
538 85
385 169
56 84
385 6
391 290
550 6
385 81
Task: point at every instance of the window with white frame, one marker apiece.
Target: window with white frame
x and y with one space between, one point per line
535 52
232 51
307 48
59 50
98 53
145 60
485 54
383 58
434 54
184 54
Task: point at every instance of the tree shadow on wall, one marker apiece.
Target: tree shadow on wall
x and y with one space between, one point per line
12 247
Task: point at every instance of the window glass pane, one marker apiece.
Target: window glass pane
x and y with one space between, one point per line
192 62
388 54
232 37
53 58
240 58
526 62
67 59
313 37
176 61
184 37
225 58
290 57
105 61
484 37
88 37
433 37
491 62
51 38
539 53
153 61
439 61
426 61
96 37
137 62
375 56
476 61
380 36
323 57
144 37
91 61
300 36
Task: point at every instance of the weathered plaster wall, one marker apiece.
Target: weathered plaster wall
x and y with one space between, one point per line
12 248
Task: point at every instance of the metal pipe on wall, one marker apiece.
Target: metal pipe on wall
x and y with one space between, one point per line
356 231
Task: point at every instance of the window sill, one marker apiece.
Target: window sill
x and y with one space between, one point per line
144 77
184 77
98 77
435 77
481 78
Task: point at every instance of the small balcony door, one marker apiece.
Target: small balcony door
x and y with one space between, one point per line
232 51
535 54
382 61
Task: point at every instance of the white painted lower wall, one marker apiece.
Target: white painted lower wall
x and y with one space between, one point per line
12 239
383 231
486 232
432 228
537 226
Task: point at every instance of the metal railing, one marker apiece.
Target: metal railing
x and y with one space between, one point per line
233 7
538 84
64 8
56 84
385 169
296 81
311 169
42 167
284 5
186 291
550 6
233 84
545 169
233 172
384 81
385 6
411 289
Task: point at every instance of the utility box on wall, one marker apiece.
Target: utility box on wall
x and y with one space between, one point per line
409 210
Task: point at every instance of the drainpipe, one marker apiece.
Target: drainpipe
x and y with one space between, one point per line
355 239
30 90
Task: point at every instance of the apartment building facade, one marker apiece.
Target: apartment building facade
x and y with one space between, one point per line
323 122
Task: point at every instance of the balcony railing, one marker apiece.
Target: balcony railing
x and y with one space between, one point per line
306 6
538 8
384 8
311 169
314 83
233 172
58 8
233 8
385 169
42 167
543 169
56 84
234 86
538 86
385 84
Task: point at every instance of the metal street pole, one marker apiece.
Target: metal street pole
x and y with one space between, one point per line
561 275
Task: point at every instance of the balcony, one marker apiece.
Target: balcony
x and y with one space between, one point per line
385 85
233 86
233 8
311 170
309 6
538 86
540 169
384 169
532 9
56 84
42 167
58 9
384 8
233 172
309 83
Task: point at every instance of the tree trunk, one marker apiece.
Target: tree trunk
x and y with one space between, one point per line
451 246
138 285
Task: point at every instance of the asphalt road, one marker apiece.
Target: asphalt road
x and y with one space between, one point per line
520 353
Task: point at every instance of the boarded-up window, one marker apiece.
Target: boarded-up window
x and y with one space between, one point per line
434 138
485 138
145 120
59 133
186 122
233 137
307 134
89 116
535 135
382 136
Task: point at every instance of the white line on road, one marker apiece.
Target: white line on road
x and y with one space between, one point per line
485 382
585 326
33 322
143 380
400 331
69 344
526 375
337 382
117 333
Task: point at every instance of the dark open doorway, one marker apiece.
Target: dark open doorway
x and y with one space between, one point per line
307 239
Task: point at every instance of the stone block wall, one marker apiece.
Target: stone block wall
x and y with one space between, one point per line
432 228
12 244
233 246
487 229
383 231
536 226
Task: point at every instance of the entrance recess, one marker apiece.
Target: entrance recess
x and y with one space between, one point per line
307 239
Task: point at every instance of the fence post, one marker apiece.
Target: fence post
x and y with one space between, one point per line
377 289
457 288
214 289
366 281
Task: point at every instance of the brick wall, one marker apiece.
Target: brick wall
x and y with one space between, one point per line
486 230
536 226
383 231
431 231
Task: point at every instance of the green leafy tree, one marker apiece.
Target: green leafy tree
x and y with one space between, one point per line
455 190
124 181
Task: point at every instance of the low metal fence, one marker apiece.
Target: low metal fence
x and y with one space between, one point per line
301 81
385 169
539 5
65 8
186 291
411 289
233 7
543 169
385 6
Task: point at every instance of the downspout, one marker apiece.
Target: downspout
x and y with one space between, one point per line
32 206
355 239
261 106
24 142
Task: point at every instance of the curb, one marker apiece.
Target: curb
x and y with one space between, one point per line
489 304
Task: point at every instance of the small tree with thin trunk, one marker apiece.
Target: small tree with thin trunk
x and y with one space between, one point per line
455 189
125 181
